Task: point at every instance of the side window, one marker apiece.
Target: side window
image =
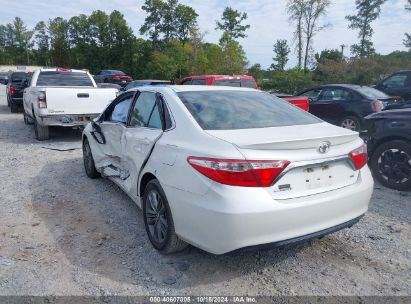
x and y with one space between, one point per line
155 120
142 110
335 94
198 82
312 94
120 111
187 82
395 81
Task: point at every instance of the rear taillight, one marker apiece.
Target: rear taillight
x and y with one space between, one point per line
359 156
245 173
12 90
42 102
377 105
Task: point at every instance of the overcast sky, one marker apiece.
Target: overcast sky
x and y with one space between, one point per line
267 18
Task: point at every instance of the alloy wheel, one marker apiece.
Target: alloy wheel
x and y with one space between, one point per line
394 166
156 216
349 123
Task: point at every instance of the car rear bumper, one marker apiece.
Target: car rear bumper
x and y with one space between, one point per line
229 218
17 100
72 120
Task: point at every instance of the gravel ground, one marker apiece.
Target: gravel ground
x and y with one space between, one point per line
64 234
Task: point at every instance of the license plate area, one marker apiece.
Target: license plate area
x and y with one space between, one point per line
314 179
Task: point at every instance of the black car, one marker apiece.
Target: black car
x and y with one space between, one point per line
397 85
345 105
18 81
389 147
140 83
112 76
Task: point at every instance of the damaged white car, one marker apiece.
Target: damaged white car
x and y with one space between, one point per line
224 168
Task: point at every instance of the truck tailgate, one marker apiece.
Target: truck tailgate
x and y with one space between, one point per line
77 100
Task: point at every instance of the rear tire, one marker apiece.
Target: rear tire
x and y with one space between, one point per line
391 164
88 160
351 122
41 132
14 108
158 220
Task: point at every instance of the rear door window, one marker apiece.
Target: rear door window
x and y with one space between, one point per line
198 82
335 94
143 109
64 79
312 94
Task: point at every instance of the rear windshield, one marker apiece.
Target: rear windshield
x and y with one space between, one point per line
19 77
372 93
236 83
114 72
231 110
64 79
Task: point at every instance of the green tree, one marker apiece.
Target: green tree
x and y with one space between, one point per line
185 21
42 43
256 71
295 10
233 59
367 12
281 51
59 41
313 10
153 21
407 39
168 14
325 55
232 23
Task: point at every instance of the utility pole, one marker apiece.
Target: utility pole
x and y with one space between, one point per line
342 50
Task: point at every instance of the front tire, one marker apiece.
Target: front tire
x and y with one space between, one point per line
41 132
391 164
351 122
158 220
88 160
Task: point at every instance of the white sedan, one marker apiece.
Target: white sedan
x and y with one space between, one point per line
224 168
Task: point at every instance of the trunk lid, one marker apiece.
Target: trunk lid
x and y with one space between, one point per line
78 100
310 171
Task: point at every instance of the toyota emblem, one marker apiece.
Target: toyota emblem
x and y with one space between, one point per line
324 147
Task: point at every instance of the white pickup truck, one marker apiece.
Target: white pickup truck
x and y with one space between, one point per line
63 97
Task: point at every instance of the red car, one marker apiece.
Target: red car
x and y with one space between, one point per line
244 81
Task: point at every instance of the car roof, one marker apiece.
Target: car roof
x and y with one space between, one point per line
220 76
192 88
56 69
151 80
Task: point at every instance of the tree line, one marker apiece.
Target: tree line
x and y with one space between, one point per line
175 45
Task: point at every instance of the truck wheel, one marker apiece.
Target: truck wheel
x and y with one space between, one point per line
14 108
41 132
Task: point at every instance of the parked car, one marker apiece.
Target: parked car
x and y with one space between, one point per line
223 168
4 79
110 85
17 83
389 144
112 76
345 105
63 97
397 85
139 83
300 101
221 80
